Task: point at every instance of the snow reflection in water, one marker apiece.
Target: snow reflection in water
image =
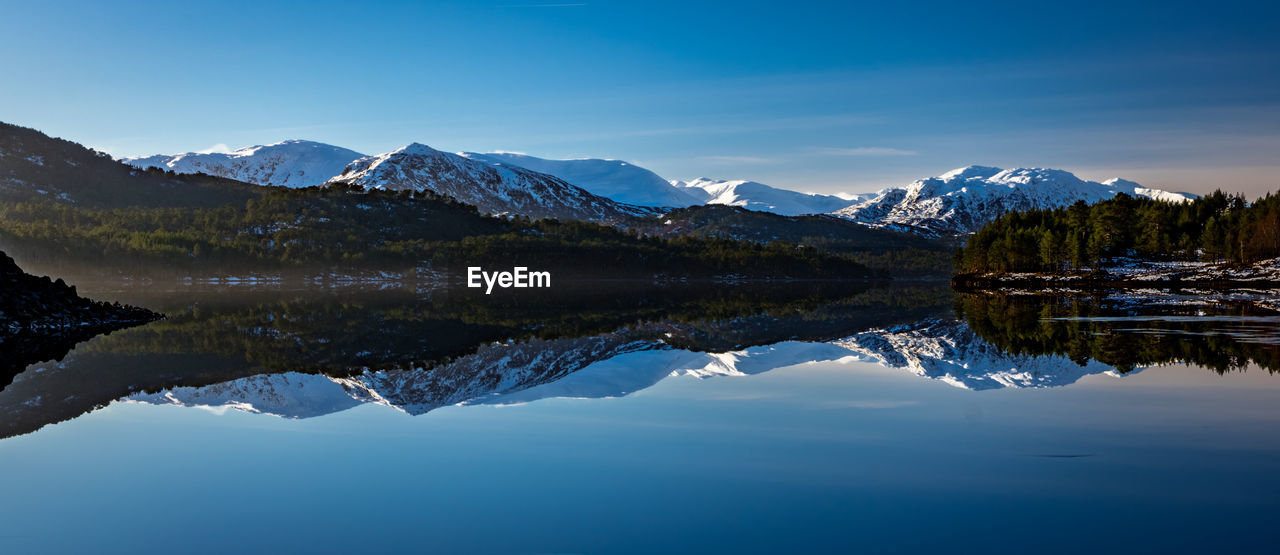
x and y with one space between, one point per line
287 358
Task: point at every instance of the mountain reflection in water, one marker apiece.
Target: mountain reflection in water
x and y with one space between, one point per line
300 355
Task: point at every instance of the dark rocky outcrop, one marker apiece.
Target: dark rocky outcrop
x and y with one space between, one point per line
41 319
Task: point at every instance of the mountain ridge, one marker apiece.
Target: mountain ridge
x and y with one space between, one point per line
759 197
293 163
964 199
610 191
493 188
619 180
37 167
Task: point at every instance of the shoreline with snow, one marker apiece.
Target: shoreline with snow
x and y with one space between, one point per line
1133 274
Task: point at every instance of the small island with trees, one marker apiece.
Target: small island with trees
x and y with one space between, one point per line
1219 240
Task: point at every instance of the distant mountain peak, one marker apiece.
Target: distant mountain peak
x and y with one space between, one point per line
290 163
955 202
614 179
757 196
490 185
417 149
968 172
1118 182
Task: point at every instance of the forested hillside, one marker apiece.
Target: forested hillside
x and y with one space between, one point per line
1217 227
37 167
343 227
62 204
897 252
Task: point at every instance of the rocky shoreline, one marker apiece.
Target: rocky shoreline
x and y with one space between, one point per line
43 319
1130 274
30 304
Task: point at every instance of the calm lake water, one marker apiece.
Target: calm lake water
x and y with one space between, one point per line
792 418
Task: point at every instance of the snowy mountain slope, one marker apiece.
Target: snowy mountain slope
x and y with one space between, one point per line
761 197
614 179
1140 191
963 200
284 164
957 202
493 188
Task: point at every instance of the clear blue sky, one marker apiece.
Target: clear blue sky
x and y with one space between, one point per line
815 96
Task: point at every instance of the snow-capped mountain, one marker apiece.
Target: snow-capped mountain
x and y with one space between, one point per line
762 198
284 164
494 188
957 202
963 200
625 182
1139 191
614 179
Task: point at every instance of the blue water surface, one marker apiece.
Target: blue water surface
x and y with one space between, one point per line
823 457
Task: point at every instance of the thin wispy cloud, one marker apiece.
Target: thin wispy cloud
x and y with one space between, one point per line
220 148
866 151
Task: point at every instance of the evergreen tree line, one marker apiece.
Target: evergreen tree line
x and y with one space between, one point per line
1216 227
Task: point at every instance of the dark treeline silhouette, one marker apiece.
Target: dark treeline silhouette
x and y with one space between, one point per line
1217 227
1085 328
